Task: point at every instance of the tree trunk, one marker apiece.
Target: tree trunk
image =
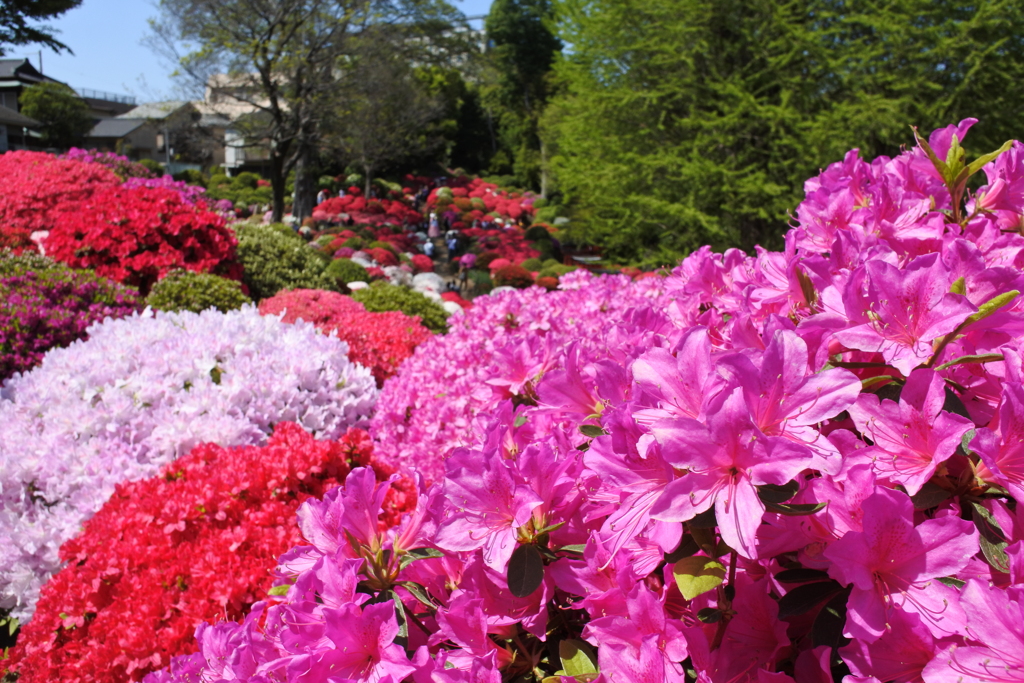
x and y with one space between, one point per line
277 181
544 180
368 169
305 185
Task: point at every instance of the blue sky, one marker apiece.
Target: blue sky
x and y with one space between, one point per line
106 36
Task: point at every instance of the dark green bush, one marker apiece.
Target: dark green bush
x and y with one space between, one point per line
381 296
555 270
356 243
513 276
28 261
275 259
183 290
153 166
344 271
533 264
537 232
482 282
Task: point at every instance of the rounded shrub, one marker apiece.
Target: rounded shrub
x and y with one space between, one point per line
513 276
183 290
556 270
483 261
537 232
356 243
274 260
532 264
381 296
345 270
548 283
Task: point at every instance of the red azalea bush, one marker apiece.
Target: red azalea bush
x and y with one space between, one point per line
549 283
513 276
198 543
39 185
372 212
379 341
385 257
421 263
136 236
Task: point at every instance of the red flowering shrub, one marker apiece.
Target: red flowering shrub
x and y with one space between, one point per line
38 185
136 236
513 276
549 283
379 341
361 210
455 298
385 257
421 263
197 543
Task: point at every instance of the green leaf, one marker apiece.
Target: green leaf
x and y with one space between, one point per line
795 509
576 548
804 598
807 289
965 441
939 164
978 358
950 581
520 420
959 286
929 496
976 165
593 431
525 570
954 405
414 554
710 615
871 382
705 520
419 592
697 575
215 374
827 628
403 623
801 575
993 541
578 658
278 590
991 306
772 493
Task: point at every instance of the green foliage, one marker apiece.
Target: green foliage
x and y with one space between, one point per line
344 271
183 290
682 122
12 264
153 166
513 276
381 296
532 264
192 177
64 115
16 27
274 260
243 190
555 270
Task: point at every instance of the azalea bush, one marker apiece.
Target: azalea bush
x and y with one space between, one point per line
274 258
122 166
139 393
381 297
498 349
197 542
798 465
359 209
38 186
136 236
183 290
379 341
44 305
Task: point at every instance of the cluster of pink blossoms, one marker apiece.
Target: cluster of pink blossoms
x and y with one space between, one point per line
796 466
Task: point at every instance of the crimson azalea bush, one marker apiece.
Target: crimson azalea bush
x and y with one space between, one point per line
795 466
122 166
379 341
52 306
196 543
361 210
38 186
138 235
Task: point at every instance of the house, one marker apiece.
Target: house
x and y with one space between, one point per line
17 131
143 132
15 76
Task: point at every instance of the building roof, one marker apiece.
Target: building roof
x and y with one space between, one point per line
22 70
154 110
9 117
115 128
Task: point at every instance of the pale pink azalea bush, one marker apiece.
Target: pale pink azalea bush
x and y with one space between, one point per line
797 466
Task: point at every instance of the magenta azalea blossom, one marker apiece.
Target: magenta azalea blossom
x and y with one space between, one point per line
893 564
913 437
907 309
724 462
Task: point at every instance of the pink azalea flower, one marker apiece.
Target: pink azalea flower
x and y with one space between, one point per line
725 461
1002 452
893 565
907 309
911 438
900 655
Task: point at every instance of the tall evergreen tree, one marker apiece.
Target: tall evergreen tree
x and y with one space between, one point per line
522 51
685 122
